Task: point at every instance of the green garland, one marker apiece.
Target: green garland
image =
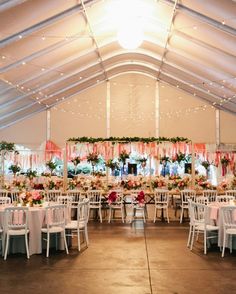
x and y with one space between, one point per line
7 146
126 140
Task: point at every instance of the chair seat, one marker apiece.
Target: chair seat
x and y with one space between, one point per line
73 225
53 230
201 227
17 232
116 206
231 231
94 206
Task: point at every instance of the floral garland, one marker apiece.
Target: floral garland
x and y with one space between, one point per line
125 140
7 146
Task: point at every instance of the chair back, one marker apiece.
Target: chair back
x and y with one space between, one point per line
229 216
231 193
210 194
161 196
5 200
52 195
119 197
202 200
187 195
197 212
224 198
83 212
16 218
95 197
3 193
15 196
55 215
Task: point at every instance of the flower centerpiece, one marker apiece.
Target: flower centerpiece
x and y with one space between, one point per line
14 168
122 158
206 164
54 185
179 157
72 184
31 198
224 162
51 165
31 174
233 183
76 160
93 158
142 161
158 182
112 197
112 164
131 184
19 184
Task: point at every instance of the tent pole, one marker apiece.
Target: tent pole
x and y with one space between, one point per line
65 168
193 165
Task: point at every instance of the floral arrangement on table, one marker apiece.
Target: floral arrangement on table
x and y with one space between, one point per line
179 183
164 159
72 184
97 185
224 162
112 164
206 164
181 157
31 174
233 183
76 160
131 184
31 198
174 177
99 174
19 184
223 186
142 161
14 168
54 185
51 165
93 158
123 156
6 186
202 183
112 197
45 174
38 186
140 198
159 182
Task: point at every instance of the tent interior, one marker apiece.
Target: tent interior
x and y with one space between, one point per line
66 73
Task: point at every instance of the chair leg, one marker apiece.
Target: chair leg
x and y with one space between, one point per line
189 235
155 214
181 216
224 241
192 239
86 235
167 215
230 243
205 242
100 214
78 239
26 245
48 244
6 247
109 217
66 247
144 218
122 214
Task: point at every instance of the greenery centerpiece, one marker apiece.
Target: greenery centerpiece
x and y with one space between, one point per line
51 166
93 158
31 174
112 164
122 158
14 168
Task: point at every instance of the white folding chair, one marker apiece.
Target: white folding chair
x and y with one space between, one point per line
199 224
15 196
95 201
15 224
55 223
137 207
229 226
210 194
4 193
224 198
118 204
202 200
231 193
186 195
5 200
51 195
80 225
161 198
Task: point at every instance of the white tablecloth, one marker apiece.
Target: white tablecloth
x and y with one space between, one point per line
35 223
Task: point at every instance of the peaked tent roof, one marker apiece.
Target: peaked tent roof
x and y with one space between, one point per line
54 49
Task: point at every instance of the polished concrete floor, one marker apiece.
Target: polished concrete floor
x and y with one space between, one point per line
124 259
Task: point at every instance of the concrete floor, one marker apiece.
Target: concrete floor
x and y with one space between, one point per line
124 259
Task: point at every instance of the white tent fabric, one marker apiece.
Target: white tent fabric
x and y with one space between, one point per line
54 49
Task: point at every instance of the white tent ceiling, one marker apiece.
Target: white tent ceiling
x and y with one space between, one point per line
53 49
